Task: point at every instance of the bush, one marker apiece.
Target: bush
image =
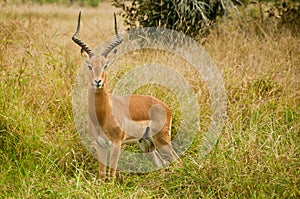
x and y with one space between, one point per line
92 3
192 17
283 13
289 14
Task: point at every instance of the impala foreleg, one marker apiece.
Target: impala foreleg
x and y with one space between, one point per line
102 159
114 159
100 149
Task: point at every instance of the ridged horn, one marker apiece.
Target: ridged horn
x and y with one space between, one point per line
114 44
83 46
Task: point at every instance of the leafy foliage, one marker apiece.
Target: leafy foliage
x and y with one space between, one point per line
188 16
289 13
92 3
284 13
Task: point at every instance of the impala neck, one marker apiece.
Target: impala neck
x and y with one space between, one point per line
99 104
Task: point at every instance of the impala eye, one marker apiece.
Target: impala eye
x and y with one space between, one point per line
105 66
90 67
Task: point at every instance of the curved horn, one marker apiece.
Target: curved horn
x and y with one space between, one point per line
114 44
83 46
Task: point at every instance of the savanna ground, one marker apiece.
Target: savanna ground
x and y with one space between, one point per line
41 155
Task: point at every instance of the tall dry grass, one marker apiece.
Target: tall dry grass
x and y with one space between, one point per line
42 156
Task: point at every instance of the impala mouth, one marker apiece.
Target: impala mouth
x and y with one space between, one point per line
97 86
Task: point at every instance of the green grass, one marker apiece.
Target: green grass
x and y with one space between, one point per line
41 155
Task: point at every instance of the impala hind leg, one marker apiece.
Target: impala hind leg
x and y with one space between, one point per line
147 146
168 152
160 132
162 142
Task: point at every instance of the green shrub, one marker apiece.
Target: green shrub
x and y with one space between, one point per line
287 12
92 3
192 17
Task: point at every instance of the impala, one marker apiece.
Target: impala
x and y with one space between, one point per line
114 120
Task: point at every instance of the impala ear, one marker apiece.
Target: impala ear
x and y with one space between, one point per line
84 54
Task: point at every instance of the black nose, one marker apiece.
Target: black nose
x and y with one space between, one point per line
97 82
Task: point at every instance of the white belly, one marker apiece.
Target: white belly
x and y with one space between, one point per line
134 130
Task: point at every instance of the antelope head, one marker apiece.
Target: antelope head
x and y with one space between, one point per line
97 63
